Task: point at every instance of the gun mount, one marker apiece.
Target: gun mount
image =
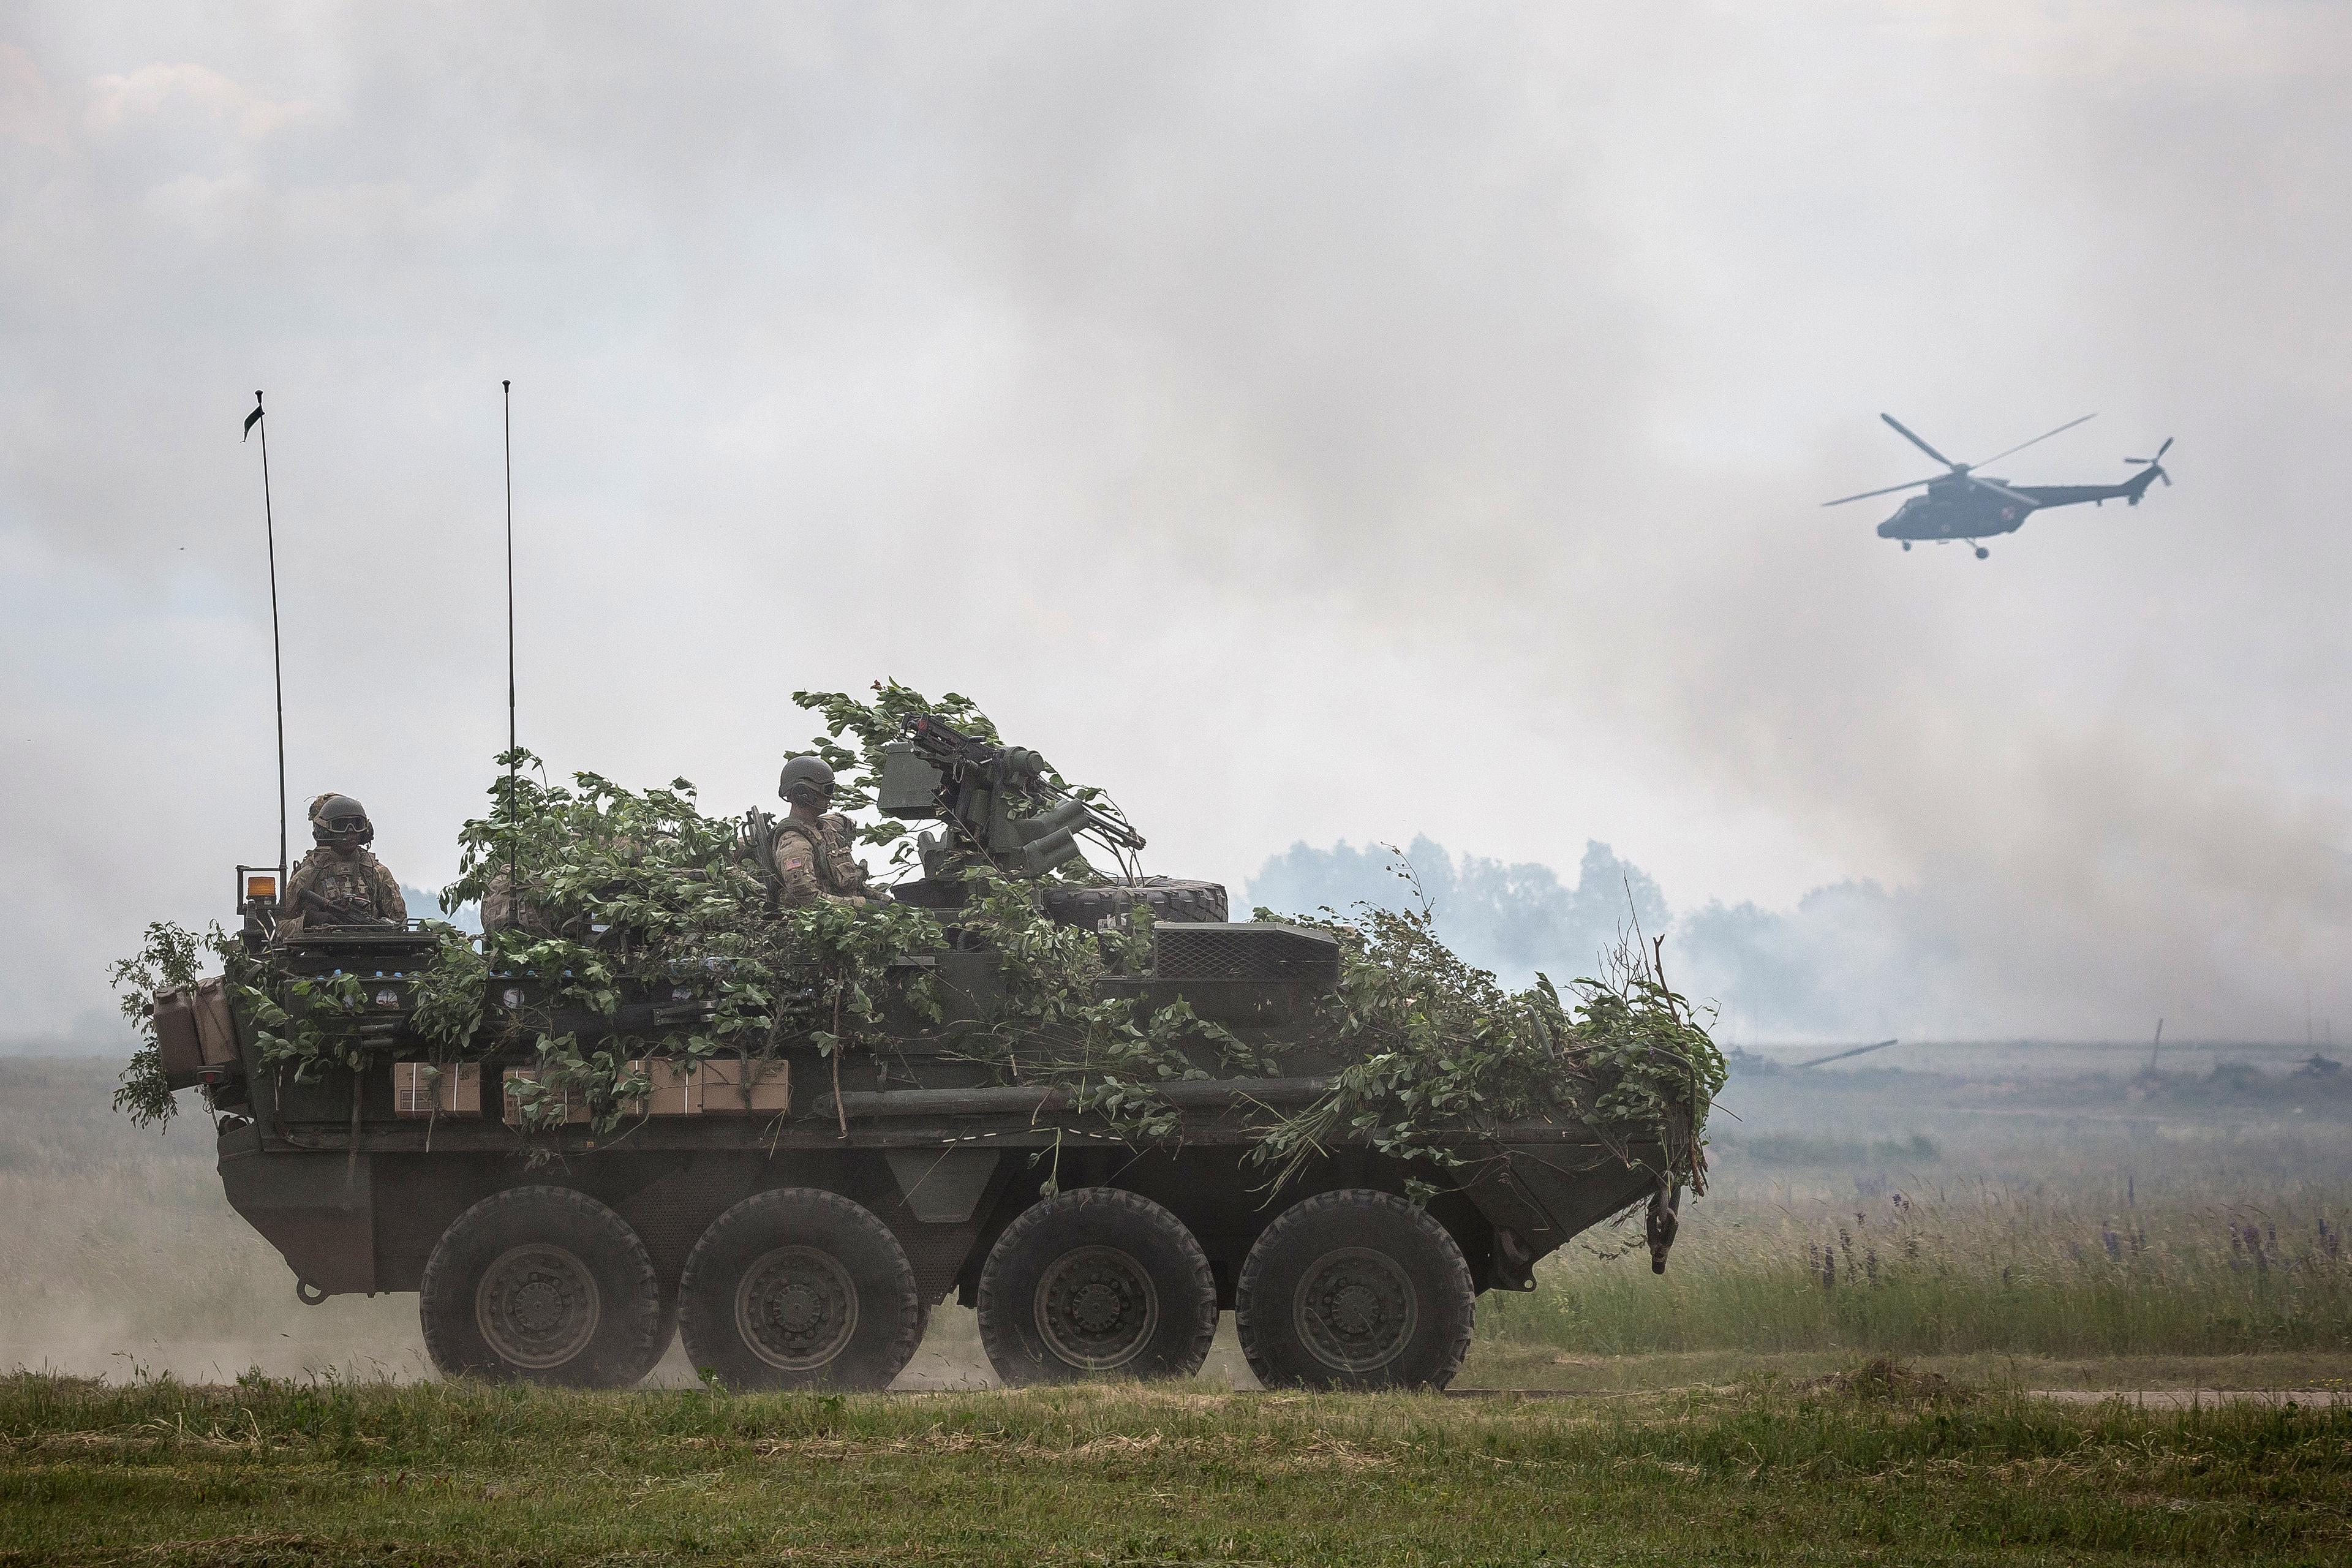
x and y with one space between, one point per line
1004 807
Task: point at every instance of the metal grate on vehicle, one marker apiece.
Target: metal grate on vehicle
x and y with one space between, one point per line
1243 951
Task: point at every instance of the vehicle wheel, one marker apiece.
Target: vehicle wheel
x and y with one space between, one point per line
541 1285
1168 897
1354 1290
1097 1283
799 1288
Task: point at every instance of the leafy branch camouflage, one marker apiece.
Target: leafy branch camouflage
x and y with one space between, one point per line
168 959
1440 1048
619 894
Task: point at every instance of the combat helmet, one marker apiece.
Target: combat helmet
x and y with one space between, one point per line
806 781
338 822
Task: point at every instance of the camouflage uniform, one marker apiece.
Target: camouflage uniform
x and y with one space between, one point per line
530 914
353 882
502 912
814 860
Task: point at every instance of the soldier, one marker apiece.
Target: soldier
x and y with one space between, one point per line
501 910
813 859
340 883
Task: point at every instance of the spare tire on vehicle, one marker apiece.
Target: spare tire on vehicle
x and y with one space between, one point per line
1168 898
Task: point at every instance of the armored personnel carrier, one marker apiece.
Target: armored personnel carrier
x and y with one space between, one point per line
798 1211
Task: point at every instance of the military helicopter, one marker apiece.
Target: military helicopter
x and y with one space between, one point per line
1964 505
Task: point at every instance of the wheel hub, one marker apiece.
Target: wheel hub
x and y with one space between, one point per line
796 1308
1357 1310
537 1306
1096 1308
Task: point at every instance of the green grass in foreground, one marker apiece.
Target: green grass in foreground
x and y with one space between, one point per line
277 1473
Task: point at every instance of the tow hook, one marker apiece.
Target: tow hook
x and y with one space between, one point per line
310 1295
1662 1223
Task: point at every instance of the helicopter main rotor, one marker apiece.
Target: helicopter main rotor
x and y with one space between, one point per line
1964 471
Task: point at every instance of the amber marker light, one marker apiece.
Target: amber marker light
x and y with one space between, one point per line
259 888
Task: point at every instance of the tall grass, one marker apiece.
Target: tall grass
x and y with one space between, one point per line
2024 1270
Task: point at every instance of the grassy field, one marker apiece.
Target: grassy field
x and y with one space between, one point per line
2090 1217
421 1473
2087 1229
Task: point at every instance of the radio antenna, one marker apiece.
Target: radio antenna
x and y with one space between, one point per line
514 875
277 657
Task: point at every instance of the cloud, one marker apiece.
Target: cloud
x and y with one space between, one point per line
158 89
28 109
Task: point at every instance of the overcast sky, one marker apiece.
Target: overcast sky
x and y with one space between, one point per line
1307 421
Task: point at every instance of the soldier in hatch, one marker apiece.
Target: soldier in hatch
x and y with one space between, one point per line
812 856
340 883
501 910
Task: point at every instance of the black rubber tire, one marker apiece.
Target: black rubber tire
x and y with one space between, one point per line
1097 1249
1342 1259
799 1288
1169 898
541 1285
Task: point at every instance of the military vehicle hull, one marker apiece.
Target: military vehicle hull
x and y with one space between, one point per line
802 1224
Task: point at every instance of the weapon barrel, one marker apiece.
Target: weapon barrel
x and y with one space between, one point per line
1849 1051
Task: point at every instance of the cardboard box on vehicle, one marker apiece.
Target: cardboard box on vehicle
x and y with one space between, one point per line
731 1086
574 1106
670 1087
421 1089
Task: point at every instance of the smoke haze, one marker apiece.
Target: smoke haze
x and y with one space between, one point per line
1316 422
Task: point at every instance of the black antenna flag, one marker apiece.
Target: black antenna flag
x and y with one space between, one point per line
514 877
277 657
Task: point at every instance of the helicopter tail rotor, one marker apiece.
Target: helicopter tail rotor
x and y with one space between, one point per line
2151 469
2157 462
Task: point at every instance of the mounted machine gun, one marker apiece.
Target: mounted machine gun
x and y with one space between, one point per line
1004 807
